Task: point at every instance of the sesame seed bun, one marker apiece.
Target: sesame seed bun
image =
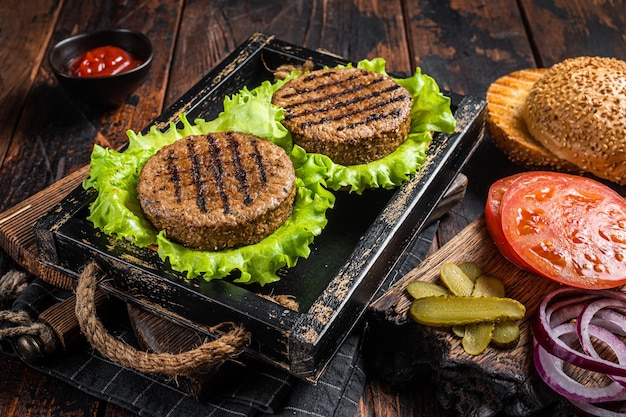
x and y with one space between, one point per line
577 111
505 99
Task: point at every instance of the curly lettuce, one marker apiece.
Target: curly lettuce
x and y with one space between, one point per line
116 210
430 112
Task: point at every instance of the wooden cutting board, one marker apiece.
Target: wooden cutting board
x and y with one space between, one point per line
17 237
496 380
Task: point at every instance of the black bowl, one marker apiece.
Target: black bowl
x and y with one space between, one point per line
104 91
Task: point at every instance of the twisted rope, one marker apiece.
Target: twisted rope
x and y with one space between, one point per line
225 347
24 325
12 284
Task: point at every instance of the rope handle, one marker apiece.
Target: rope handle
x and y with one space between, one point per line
227 346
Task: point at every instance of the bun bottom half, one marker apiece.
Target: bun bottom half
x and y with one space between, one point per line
507 128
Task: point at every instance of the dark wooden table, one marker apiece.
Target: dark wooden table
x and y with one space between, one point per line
465 45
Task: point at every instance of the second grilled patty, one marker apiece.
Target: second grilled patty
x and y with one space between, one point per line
352 115
218 191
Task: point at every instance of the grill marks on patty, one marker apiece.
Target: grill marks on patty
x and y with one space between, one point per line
174 177
372 115
345 107
195 170
240 173
320 92
316 79
352 115
215 169
219 190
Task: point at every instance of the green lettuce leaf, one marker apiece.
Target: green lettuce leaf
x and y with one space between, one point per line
252 111
116 210
430 113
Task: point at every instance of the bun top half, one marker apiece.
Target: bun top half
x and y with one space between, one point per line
577 110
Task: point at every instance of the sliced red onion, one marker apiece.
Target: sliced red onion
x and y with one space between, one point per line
569 315
585 318
561 311
550 369
584 322
565 303
611 320
545 336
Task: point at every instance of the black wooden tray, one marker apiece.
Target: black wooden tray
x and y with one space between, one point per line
350 260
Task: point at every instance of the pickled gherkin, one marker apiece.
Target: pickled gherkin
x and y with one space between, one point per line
505 334
488 286
477 337
421 289
455 279
472 303
471 269
454 310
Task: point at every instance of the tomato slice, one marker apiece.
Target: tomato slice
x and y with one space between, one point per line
567 228
493 220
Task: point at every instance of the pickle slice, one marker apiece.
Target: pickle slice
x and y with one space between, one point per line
459 330
488 286
455 279
473 304
455 310
505 334
421 289
471 269
477 337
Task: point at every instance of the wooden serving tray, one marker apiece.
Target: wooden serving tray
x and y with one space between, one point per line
348 263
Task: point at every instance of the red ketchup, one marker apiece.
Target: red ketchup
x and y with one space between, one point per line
101 61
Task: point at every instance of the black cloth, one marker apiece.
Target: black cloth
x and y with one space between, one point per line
256 389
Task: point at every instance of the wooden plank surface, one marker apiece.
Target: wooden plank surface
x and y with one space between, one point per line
18 70
467 44
464 44
213 29
564 29
55 132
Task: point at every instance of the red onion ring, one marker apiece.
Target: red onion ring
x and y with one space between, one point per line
561 311
550 369
611 320
566 316
544 334
582 327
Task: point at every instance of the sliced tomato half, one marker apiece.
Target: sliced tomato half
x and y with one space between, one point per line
493 220
568 228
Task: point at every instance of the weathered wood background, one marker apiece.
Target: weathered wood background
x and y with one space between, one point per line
464 45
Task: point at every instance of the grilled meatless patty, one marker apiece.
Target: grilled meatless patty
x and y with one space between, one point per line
352 115
218 191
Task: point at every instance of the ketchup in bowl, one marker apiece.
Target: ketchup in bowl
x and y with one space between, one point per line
102 68
103 61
